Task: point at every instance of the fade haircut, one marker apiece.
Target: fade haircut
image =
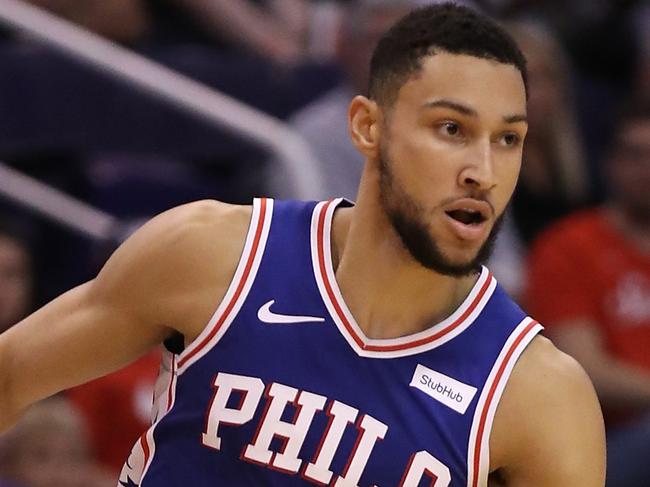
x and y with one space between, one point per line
432 29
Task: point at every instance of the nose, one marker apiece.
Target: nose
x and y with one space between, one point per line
478 171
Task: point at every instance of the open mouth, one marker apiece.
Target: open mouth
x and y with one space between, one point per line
467 216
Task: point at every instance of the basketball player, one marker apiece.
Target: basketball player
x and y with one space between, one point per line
354 345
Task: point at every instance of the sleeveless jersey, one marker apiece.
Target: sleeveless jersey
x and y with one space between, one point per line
282 388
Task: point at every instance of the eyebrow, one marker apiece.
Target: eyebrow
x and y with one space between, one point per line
470 112
452 105
515 119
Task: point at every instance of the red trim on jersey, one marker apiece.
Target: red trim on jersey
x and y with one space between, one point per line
314 460
350 329
406 472
145 449
171 384
361 430
240 286
285 439
323 271
267 406
432 476
490 396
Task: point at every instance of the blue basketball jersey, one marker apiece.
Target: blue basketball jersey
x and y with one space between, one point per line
283 388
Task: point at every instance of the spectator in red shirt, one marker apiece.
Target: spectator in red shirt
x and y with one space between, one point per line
117 409
589 283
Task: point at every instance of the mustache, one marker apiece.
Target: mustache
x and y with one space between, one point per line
481 196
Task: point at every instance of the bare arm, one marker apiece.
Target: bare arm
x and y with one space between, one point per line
617 384
548 430
156 282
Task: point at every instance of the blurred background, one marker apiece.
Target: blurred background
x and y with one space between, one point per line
87 153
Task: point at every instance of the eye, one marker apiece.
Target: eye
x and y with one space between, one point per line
450 129
510 139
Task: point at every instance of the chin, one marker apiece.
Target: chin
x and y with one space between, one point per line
462 267
461 253
456 259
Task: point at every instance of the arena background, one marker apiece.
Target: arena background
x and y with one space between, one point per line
113 111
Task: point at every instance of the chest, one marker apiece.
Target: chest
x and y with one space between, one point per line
282 387
303 406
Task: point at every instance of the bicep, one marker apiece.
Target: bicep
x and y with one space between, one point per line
90 330
558 433
155 283
74 338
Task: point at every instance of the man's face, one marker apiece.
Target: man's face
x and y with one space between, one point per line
630 170
450 157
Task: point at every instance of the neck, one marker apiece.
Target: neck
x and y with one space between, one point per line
387 291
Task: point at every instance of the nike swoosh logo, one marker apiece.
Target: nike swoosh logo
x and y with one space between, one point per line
265 315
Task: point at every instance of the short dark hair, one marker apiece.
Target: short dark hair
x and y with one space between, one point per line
447 27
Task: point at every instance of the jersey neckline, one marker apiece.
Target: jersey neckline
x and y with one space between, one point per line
432 337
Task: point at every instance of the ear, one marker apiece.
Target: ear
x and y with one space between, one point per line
364 118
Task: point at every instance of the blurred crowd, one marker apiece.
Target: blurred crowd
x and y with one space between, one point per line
575 245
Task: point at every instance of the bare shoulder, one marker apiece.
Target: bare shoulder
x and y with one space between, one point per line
203 218
548 416
176 267
543 367
221 226
188 232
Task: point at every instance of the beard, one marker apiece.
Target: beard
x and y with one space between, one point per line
408 219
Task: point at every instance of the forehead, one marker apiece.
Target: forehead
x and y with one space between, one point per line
489 87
